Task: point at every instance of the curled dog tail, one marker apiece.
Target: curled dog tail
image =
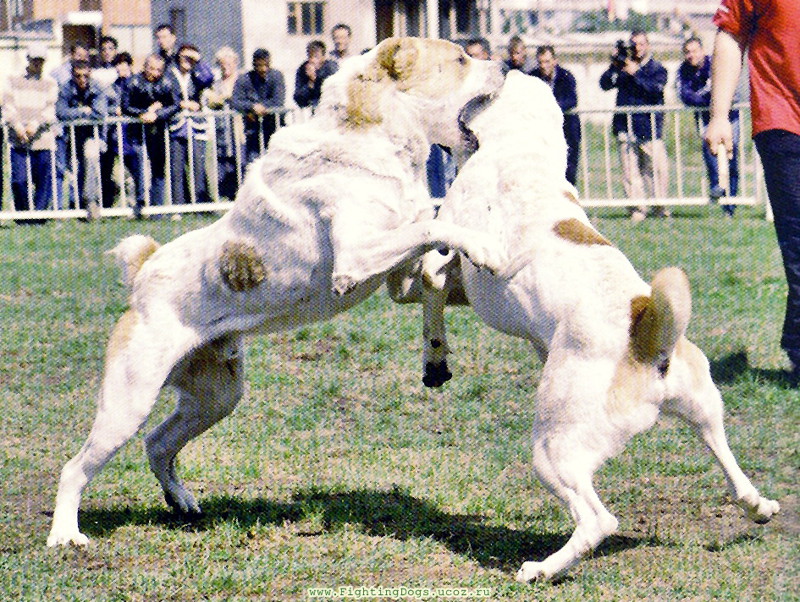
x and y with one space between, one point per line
131 253
660 320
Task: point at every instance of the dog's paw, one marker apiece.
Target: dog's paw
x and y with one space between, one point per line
182 502
64 539
763 512
436 374
532 571
343 284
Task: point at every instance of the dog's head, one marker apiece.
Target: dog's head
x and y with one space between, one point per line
523 108
410 81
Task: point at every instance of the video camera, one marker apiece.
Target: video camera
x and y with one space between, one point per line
622 52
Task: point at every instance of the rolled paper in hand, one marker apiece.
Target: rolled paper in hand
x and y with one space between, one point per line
724 169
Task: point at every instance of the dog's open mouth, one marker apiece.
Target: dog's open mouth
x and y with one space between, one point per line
468 112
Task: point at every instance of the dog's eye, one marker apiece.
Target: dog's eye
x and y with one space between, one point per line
462 60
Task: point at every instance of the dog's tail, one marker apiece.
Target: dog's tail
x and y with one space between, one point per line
131 253
660 320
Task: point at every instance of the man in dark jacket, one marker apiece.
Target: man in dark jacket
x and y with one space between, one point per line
310 75
153 98
694 88
166 43
257 94
82 98
640 81
562 83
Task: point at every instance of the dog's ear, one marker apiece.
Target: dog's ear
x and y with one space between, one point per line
393 63
396 57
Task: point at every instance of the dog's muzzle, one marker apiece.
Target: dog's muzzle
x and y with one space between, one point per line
468 112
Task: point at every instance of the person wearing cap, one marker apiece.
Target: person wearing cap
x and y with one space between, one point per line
256 94
188 131
82 98
78 51
29 105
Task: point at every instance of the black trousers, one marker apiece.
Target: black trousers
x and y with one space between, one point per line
780 155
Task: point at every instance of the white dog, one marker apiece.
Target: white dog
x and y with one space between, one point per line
320 219
613 347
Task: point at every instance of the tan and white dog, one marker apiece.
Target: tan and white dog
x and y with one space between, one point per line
614 348
321 218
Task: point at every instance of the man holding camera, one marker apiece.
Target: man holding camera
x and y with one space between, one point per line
640 81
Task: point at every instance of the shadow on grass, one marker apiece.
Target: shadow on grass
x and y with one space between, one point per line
391 513
736 366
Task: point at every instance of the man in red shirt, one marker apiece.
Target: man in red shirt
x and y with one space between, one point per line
768 29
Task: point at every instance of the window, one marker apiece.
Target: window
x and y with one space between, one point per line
305 18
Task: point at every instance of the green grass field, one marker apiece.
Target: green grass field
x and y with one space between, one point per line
340 469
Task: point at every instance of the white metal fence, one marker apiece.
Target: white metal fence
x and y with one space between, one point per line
599 170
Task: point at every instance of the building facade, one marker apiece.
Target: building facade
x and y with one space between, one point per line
285 27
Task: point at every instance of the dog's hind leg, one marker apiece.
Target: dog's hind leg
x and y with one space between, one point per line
565 465
139 359
434 347
436 275
210 383
699 403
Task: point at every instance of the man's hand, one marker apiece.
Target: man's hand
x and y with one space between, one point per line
719 131
260 110
630 67
148 117
311 71
22 134
190 105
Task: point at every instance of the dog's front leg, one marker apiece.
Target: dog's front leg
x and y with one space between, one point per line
360 256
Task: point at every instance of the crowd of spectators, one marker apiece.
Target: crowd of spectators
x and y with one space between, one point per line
178 104
65 143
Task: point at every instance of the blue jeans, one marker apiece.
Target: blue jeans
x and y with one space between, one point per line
441 171
180 166
780 155
41 178
153 144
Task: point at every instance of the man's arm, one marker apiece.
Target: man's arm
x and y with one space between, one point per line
651 81
129 102
303 87
726 65
243 96
99 104
169 97
64 110
568 93
202 75
690 96
610 78
278 92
